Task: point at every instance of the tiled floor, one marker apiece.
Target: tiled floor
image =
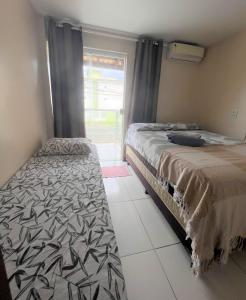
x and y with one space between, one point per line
155 264
109 151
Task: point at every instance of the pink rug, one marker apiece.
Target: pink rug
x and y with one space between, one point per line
115 171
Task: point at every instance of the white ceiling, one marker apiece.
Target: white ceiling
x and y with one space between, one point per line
198 21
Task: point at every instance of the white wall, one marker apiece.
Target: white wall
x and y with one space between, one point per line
220 87
176 91
24 111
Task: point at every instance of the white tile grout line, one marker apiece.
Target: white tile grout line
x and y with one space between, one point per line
135 253
164 271
154 249
114 201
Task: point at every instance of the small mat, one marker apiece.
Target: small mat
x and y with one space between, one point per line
115 171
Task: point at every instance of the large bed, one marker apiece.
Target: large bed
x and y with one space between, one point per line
56 236
151 154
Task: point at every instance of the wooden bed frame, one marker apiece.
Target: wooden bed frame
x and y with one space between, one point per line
162 198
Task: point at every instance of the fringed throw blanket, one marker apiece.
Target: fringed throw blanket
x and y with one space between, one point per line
56 234
210 188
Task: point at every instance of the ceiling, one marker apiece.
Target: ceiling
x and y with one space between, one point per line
199 21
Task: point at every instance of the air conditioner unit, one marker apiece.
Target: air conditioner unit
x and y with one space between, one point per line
185 52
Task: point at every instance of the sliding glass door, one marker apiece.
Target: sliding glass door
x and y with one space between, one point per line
104 76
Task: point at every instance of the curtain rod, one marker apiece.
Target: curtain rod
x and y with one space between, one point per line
102 31
115 35
110 34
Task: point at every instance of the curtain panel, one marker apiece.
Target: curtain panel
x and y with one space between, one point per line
146 80
67 83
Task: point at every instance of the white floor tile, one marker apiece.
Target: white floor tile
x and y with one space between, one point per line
131 170
240 259
136 176
145 279
222 283
158 229
133 173
134 187
130 233
116 190
109 151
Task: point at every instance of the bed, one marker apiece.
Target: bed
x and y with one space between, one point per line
56 236
155 160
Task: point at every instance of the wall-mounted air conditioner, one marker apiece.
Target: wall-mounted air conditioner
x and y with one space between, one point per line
185 52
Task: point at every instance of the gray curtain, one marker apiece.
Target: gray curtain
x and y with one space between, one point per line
145 89
67 84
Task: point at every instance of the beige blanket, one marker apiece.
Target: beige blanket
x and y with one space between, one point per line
210 187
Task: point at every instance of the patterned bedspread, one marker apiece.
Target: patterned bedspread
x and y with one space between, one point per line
56 234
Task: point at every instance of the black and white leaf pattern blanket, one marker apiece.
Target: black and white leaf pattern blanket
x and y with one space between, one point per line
56 234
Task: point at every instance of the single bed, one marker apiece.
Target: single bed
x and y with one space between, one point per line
56 234
145 145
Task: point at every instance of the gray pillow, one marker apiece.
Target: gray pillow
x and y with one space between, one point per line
185 140
65 146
